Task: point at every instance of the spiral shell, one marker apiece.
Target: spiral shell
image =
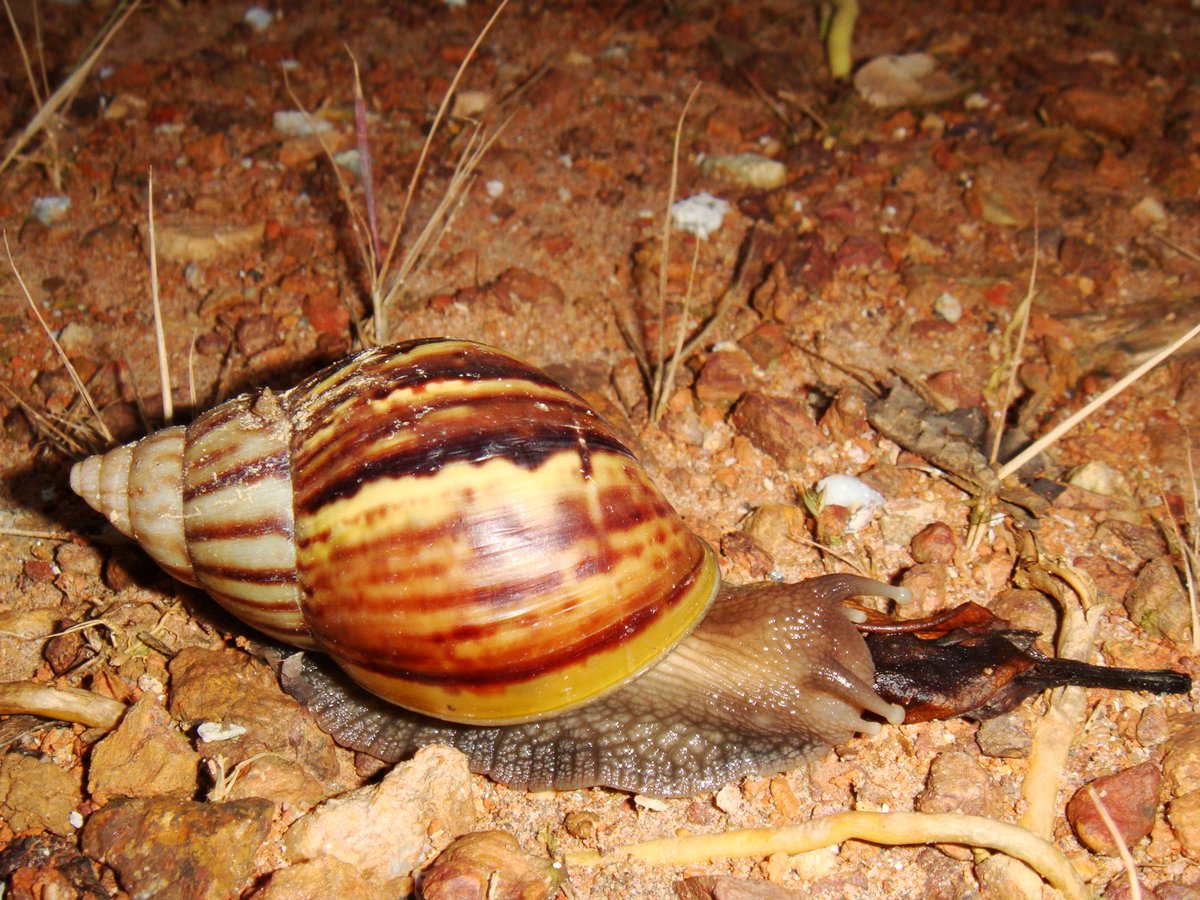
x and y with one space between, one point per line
459 532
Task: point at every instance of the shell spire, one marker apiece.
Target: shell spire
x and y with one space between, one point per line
138 488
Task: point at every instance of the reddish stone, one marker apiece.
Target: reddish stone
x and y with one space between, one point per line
1115 114
765 344
326 312
934 543
726 376
1131 798
779 426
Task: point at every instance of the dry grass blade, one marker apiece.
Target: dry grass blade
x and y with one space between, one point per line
1051 437
874 827
440 219
1013 350
433 129
385 287
1135 889
62 96
78 382
55 430
656 388
164 371
1191 559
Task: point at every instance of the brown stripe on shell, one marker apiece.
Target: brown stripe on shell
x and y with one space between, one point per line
246 575
493 429
500 411
243 474
572 524
392 660
224 530
374 374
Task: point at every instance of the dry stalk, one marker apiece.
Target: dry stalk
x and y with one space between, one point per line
49 107
874 827
1066 710
164 371
384 284
66 704
78 382
1135 889
657 386
1053 435
1013 350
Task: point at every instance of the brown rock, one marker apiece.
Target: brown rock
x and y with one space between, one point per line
486 865
326 312
1131 798
581 824
257 333
179 849
1122 115
1008 736
958 783
846 416
1184 815
383 830
1158 603
511 286
765 344
1031 610
727 374
779 426
744 552
47 866
320 879
726 887
36 794
303 766
1142 540
1181 762
145 757
935 543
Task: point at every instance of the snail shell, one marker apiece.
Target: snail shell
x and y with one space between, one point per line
460 533
466 539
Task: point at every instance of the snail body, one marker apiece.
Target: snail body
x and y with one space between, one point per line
467 540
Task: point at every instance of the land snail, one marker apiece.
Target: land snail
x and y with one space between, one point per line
466 539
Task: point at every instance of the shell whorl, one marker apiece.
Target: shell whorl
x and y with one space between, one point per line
463 535
211 504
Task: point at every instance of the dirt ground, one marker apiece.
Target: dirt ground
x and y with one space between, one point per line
897 245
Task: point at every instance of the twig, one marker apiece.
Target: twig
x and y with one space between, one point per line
164 371
1015 350
1135 889
66 704
79 385
875 827
1050 437
67 89
656 386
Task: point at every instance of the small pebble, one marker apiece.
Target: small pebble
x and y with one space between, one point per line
258 18
294 123
1158 603
935 543
948 308
49 210
748 170
701 214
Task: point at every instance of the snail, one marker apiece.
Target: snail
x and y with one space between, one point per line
469 542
